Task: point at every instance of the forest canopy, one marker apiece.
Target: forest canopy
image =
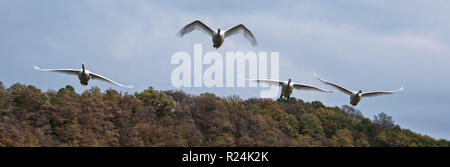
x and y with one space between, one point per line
30 117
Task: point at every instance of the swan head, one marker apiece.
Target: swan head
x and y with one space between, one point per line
82 68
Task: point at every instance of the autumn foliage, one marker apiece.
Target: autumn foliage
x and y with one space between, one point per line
30 117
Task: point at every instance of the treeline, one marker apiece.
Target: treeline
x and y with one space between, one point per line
30 117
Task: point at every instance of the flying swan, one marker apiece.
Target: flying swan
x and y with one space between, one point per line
219 36
355 97
83 75
287 87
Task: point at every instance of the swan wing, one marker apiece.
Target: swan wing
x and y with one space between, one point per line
198 25
102 78
372 94
307 87
343 90
266 81
65 71
241 28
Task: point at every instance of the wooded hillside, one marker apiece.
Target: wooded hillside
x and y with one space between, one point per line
30 117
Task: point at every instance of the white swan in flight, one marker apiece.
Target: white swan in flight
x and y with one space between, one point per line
219 36
84 75
356 96
287 87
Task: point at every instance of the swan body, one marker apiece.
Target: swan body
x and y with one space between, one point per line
218 37
83 75
287 87
356 96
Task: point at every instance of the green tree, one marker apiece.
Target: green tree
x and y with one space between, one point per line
163 104
310 125
26 97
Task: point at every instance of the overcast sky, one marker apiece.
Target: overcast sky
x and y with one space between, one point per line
368 45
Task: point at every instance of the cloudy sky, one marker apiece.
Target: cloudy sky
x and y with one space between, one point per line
368 45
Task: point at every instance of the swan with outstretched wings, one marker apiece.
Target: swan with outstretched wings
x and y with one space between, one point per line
218 36
84 75
287 87
356 96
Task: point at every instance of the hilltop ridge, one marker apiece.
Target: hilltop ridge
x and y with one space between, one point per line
30 117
